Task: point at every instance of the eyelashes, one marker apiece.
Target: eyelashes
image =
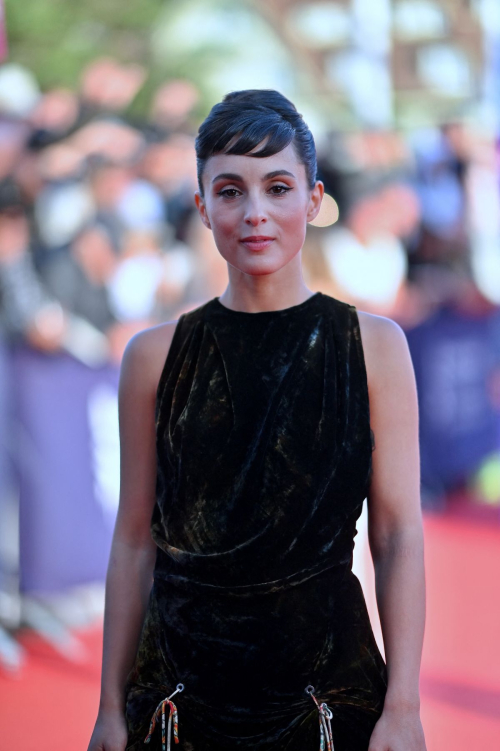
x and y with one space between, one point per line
283 188
225 192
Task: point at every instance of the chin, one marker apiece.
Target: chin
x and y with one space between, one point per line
258 265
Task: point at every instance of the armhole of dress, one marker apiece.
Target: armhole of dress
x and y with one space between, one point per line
169 359
362 364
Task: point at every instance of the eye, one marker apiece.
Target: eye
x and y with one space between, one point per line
228 192
280 190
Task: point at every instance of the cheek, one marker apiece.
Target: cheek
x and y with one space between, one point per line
291 219
225 220
291 209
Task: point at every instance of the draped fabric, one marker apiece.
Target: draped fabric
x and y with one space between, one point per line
264 456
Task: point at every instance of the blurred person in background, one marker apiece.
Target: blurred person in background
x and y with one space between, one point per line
365 255
108 86
27 314
440 189
173 104
246 457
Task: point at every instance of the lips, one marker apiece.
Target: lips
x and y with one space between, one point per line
257 242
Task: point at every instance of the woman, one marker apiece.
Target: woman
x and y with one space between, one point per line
247 451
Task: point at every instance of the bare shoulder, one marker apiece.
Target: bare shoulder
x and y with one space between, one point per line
145 355
386 351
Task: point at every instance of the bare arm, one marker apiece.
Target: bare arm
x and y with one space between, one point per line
395 529
132 557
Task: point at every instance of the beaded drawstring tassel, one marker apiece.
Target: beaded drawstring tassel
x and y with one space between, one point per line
325 715
172 717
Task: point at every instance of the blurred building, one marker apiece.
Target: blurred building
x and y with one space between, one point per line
383 62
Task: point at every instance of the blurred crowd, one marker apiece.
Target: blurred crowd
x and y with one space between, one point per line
99 238
419 218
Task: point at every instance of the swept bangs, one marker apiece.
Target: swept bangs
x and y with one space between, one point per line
246 119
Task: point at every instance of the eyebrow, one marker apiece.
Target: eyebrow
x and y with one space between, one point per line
238 178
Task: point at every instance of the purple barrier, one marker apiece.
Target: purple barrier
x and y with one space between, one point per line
455 356
8 489
67 455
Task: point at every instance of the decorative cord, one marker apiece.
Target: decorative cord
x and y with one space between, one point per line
172 717
325 715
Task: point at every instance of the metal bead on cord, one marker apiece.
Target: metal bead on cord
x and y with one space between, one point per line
325 715
172 718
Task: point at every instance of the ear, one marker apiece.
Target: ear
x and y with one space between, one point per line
202 209
315 200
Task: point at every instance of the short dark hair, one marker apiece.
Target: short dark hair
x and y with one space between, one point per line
248 117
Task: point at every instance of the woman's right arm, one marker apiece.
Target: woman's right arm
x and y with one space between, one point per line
133 552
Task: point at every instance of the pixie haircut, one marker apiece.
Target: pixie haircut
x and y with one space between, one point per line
246 118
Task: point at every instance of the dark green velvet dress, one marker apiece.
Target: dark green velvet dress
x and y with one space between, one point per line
264 458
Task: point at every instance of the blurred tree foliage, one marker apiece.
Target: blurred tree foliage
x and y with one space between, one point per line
56 38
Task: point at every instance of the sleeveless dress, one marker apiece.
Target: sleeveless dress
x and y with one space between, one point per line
264 456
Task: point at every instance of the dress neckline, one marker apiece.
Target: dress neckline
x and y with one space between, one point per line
291 309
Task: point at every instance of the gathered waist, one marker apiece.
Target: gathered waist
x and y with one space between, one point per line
336 569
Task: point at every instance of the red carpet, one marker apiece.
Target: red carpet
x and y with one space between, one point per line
460 684
51 706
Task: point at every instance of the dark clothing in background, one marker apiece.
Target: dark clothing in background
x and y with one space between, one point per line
67 282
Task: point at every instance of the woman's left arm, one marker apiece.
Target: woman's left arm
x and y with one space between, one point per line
395 529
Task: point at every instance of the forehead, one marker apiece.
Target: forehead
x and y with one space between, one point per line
250 167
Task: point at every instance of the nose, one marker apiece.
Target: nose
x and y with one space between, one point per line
254 212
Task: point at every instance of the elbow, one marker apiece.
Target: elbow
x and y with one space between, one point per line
135 539
405 541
